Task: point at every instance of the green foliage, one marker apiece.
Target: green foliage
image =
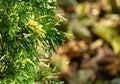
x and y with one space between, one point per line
25 25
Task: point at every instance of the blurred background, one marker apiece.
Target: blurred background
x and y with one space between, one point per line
91 54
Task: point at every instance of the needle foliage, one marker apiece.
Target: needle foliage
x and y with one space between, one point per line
25 27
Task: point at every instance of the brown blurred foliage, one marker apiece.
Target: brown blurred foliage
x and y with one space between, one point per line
93 56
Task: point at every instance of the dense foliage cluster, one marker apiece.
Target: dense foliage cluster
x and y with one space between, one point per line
25 27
